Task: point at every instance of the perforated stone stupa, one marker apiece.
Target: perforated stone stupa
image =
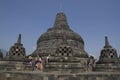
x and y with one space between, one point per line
58 34
108 60
65 47
17 51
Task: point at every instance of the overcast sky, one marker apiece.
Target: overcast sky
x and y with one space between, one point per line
92 19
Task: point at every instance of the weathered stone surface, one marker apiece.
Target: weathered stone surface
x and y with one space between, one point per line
108 54
1 55
108 60
65 47
32 75
15 66
17 51
55 36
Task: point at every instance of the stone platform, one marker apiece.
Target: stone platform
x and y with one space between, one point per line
38 75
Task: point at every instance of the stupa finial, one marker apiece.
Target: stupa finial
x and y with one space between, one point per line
61 21
19 39
107 45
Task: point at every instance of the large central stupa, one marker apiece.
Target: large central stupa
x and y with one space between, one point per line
60 34
65 47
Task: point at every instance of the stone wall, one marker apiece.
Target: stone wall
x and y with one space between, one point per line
15 66
37 75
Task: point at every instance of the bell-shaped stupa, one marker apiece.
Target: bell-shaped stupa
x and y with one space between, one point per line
57 35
